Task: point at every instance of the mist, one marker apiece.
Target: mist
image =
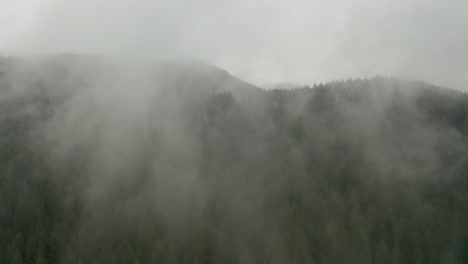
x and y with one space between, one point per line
137 132
264 42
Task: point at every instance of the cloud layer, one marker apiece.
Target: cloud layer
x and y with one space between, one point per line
261 41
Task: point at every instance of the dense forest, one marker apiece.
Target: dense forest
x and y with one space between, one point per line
184 163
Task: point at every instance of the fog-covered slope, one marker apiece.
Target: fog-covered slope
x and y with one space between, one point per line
113 161
70 71
282 85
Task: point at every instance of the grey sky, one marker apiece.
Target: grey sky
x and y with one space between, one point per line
262 41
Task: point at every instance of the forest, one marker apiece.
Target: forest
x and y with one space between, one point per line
183 163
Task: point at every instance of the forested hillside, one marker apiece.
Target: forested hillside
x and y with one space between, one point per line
110 163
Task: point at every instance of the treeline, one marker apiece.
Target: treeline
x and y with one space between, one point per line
361 171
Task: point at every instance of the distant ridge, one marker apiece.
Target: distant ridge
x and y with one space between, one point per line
282 85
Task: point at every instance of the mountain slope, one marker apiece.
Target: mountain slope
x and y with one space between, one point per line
282 85
111 162
64 71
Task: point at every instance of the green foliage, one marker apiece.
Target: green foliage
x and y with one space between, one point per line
316 175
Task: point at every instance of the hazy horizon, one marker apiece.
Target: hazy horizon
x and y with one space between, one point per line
262 42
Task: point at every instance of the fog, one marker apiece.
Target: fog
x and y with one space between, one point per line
263 42
136 131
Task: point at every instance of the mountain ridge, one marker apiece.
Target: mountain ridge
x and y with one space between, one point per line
140 163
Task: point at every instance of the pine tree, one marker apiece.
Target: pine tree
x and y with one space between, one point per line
69 256
383 255
449 258
17 258
40 259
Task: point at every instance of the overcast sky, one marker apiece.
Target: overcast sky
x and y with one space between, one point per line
262 41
